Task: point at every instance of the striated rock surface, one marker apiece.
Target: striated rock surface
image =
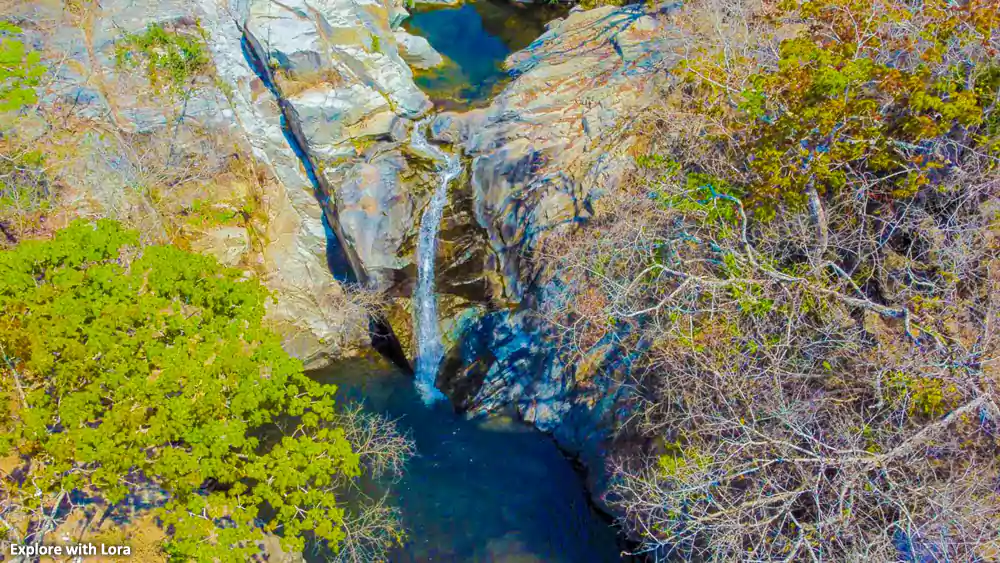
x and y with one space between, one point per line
541 155
348 99
541 152
217 165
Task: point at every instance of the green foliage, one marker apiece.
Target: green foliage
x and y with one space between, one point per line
591 4
710 197
751 299
20 70
172 59
922 396
131 368
204 214
679 461
657 162
837 108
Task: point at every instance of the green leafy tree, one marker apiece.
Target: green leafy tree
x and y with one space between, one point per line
128 370
20 70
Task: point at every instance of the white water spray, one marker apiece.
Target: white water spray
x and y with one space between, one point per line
429 348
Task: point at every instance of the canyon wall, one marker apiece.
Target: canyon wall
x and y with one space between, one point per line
297 124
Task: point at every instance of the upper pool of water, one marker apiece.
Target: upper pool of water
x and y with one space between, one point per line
475 38
479 491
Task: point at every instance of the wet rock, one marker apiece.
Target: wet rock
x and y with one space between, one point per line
466 267
505 359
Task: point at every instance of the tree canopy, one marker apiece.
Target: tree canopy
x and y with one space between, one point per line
128 369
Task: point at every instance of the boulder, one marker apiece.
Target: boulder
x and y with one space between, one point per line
417 51
377 212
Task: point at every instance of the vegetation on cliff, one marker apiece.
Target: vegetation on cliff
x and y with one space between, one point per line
146 372
156 144
809 256
172 60
23 187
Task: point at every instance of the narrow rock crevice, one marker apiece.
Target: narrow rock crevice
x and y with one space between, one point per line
344 262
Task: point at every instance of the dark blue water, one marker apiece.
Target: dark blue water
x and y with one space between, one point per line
475 38
486 491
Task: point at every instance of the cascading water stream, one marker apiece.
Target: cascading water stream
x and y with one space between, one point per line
429 348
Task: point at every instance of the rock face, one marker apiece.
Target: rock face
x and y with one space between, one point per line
297 137
289 157
541 154
541 150
348 99
258 147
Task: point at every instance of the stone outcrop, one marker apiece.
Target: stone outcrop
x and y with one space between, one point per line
417 51
541 154
258 147
556 136
348 99
301 127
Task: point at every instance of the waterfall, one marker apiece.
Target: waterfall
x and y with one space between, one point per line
429 348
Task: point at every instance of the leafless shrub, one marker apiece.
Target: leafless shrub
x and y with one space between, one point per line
25 188
138 170
372 533
819 386
383 449
348 308
373 525
796 410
